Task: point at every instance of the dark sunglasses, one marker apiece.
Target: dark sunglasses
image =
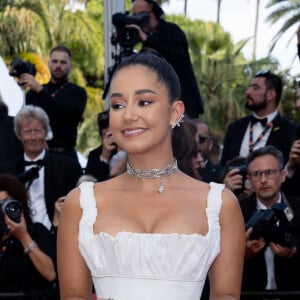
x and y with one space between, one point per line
202 139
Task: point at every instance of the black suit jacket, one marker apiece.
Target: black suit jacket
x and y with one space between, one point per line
61 175
10 146
281 137
169 40
211 172
255 274
95 167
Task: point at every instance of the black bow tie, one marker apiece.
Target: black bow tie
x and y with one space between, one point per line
39 162
263 121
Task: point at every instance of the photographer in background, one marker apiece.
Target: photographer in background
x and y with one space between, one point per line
170 41
27 251
272 255
48 177
100 159
63 101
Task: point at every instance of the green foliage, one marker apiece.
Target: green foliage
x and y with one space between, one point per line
30 28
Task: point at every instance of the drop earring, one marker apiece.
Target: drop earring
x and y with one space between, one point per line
177 123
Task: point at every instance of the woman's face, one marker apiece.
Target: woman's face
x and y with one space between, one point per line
141 114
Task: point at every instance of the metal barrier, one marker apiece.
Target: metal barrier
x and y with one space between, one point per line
273 294
13 296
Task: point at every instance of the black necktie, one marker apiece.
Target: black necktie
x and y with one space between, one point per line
262 121
39 162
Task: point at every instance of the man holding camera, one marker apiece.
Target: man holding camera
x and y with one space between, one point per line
63 101
272 227
99 158
170 41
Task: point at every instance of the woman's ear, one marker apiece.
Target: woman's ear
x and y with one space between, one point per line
177 111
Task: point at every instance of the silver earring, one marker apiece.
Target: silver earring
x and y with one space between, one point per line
177 123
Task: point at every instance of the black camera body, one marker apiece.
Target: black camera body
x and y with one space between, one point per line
272 225
20 67
127 37
242 171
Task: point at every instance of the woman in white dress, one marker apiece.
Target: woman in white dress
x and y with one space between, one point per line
152 232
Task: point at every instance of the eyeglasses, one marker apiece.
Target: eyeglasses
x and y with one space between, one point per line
270 174
202 138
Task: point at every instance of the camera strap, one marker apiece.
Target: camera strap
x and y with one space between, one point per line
289 213
55 92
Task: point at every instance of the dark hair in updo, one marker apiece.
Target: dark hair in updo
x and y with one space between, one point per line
154 62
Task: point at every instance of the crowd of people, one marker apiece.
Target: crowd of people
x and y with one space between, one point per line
153 214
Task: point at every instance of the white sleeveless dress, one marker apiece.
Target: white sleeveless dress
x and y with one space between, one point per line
142 266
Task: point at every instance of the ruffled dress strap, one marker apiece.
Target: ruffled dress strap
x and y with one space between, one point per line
87 204
214 203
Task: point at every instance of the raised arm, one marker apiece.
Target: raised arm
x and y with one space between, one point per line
226 272
73 273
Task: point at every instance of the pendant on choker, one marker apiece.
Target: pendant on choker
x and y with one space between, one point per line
153 173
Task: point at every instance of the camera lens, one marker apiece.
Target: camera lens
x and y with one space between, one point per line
12 208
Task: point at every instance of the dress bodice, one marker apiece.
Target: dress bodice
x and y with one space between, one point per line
135 266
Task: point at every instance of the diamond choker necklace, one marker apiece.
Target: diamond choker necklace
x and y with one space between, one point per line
153 174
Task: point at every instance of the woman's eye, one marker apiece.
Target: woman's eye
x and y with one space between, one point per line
145 102
116 105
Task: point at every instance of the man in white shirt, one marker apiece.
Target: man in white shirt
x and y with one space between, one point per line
47 176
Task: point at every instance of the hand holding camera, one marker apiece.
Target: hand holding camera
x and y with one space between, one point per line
294 157
109 146
235 178
17 229
253 247
25 72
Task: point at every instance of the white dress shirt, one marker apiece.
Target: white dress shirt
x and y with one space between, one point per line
36 192
257 130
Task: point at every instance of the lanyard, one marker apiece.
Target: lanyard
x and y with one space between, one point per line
58 90
259 138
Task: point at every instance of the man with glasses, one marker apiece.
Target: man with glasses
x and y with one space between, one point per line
209 171
170 41
272 226
264 126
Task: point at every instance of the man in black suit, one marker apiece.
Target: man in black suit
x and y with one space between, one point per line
171 42
63 101
47 176
272 258
265 126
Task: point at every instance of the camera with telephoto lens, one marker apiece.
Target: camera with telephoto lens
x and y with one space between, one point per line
273 225
19 67
126 36
12 208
